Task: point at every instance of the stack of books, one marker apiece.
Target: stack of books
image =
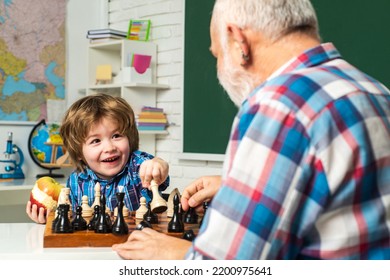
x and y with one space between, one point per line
152 118
103 35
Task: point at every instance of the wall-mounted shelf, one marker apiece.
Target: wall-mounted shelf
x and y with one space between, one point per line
119 54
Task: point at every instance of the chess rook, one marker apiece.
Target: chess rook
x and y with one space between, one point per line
158 204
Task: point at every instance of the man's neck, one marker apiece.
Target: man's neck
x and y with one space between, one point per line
269 56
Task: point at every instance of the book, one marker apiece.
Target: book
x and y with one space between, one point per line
142 120
159 128
151 109
152 115
152 124
104 35
107 31
103 40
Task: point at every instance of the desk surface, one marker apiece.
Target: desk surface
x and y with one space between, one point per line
23 241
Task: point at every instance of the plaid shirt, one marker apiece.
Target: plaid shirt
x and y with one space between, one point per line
307 169
83 183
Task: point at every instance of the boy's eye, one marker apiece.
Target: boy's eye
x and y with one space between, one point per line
94 141
117 135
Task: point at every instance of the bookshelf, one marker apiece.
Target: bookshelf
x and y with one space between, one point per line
118 53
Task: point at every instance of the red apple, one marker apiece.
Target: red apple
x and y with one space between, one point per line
45 193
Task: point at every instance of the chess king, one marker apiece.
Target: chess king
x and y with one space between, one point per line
45 193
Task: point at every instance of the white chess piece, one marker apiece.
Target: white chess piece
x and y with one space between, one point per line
63 198
158 204
97 195
87 210
139 214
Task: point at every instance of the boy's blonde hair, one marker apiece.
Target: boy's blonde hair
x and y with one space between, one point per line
88 111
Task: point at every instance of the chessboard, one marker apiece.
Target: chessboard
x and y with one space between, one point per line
88 238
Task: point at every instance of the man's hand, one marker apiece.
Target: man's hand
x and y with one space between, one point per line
148 244
203 189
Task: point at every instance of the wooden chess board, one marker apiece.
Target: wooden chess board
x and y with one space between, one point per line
88 238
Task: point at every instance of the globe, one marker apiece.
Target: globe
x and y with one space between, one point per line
40 152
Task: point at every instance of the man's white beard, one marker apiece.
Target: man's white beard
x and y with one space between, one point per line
237 83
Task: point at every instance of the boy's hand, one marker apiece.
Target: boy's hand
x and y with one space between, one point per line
155 169
35 214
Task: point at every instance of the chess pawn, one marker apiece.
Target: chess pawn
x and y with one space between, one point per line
63 224
86 209
79 223
97 195
176 223
150 217
139 214
158 204
103 223
96 213
191 217
120 227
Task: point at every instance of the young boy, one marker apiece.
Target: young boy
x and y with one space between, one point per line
100 134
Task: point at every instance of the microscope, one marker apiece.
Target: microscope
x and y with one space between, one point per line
14 169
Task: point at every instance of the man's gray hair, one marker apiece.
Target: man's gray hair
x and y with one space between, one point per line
273 18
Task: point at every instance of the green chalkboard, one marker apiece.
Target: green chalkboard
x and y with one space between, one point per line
208 111
358 28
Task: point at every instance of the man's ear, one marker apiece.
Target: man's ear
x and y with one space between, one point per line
240 42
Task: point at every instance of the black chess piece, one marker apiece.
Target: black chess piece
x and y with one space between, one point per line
176 224
191 217
143 224
120 227
189 235
103 223
96 213
79 223
150 217
205 206
63 224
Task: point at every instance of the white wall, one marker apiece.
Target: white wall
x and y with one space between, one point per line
81 16
167 32
167 18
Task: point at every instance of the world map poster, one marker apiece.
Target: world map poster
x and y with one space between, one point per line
32 57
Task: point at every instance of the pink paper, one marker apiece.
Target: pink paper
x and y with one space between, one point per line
141 62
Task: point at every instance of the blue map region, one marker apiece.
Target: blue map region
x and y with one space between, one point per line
22 116
12 85
19 84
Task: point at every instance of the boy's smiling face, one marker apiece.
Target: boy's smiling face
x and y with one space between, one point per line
105 150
